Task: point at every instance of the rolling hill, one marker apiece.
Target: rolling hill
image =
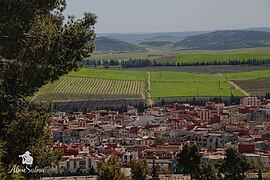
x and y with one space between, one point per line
105 44
232 39
155 43
142 37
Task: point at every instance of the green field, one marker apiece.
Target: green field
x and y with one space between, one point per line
173 55
110 74
138 55
190 58
96 83
248 75
182 84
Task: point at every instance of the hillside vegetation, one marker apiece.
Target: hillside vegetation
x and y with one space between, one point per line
155 43
226 40
108 45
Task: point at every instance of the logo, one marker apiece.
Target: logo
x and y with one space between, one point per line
27 161
27 158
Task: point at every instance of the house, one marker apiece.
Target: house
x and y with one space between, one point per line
205 114
75 164
259 161
250 101
90 140
129 156
246 148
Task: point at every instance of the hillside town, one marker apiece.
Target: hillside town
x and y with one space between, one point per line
159 133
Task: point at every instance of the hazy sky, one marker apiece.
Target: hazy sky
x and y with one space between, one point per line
172 15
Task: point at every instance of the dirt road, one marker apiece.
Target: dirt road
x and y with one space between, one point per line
234 85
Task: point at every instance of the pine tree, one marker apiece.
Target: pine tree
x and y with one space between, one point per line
139 170
36 47
189 159
154 172
234 165
109 170
260 177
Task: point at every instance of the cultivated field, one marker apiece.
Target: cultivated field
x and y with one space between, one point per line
254 82
110 74
203 69
248 75
89 83
174 55
182 84
255 87
193 58
74 88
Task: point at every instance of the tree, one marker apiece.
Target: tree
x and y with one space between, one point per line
2 152
92 171
154 172
109 170
260 177
139 170
141 107
189 159
207 172
234 165
36 47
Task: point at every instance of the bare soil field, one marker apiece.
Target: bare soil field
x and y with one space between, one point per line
202 69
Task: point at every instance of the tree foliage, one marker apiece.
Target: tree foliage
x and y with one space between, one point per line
109 169
154 171
136 63
189 159
139 170
207 172
36 47
234 165
260 176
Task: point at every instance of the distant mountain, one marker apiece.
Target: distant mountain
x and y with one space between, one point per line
143 37
265 29
105 44
155 43
226 40
168 38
